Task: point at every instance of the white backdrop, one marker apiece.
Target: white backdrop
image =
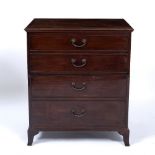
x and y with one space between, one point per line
14 17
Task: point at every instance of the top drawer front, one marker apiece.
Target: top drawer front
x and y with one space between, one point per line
71 41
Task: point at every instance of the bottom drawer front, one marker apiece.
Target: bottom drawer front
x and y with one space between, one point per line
77 114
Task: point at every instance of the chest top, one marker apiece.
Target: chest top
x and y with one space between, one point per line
78 24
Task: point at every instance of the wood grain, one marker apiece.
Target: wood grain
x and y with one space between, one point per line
78 75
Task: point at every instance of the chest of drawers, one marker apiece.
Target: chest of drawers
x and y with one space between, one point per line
78 75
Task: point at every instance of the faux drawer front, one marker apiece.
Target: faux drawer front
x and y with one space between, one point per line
71 41
48 63
79 86
77 114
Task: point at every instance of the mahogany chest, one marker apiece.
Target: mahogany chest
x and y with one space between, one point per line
78 75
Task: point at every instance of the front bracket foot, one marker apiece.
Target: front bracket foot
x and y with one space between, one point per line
31 133
125 133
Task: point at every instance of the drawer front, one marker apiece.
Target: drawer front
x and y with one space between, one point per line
71 41
68 115
77 63
75 86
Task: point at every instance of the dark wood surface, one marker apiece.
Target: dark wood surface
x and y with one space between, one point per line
78 75
109 86
78 24
68 115
78 63
63 41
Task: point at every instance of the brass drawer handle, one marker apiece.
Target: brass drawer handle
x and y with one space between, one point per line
75 63
78 112
76 43
83 87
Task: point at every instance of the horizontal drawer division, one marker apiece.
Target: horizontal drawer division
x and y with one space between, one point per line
77 63
71 41
68 115
57 86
